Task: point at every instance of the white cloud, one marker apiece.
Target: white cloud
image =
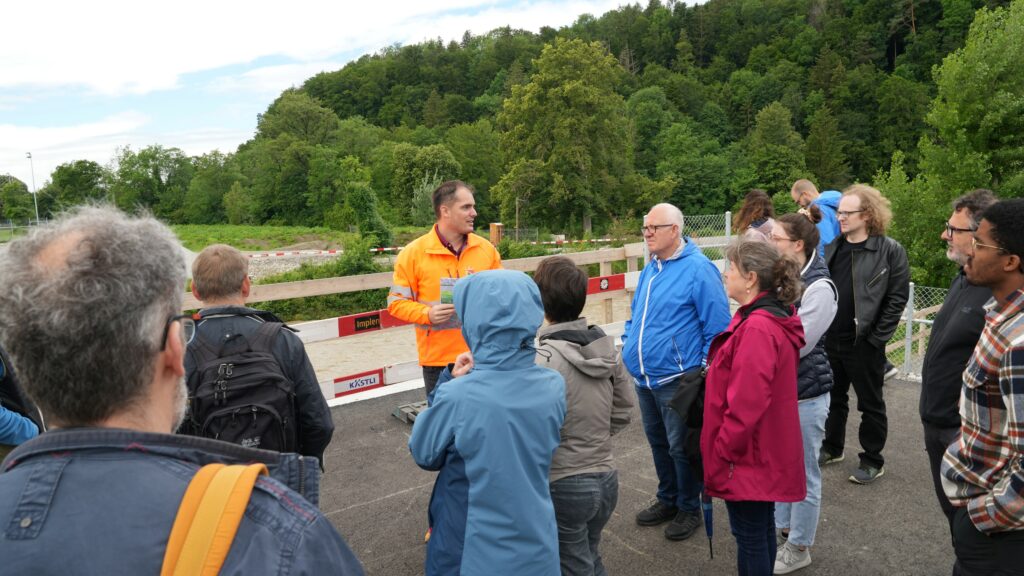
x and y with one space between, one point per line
119 47
271 80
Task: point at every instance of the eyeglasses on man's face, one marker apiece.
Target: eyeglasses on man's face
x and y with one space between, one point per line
652 228
951 230
847 213
975 244
188 327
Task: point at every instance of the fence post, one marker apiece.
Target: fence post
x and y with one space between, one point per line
908 337
728 238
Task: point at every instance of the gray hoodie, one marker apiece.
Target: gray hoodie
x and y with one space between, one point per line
598 392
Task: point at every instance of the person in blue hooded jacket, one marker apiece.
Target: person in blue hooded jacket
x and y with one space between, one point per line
678 308
491 429
805 194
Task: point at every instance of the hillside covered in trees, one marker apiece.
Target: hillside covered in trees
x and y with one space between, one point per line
584 127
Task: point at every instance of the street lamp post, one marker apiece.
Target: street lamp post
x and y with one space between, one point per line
35 199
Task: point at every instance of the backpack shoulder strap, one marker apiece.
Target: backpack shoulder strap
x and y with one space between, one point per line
208 519
263 341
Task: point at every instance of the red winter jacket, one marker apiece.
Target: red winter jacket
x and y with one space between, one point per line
751 440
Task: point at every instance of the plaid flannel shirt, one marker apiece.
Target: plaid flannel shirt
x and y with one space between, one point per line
982 470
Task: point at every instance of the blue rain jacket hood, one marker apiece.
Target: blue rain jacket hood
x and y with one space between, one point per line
501 312
828 227
491 435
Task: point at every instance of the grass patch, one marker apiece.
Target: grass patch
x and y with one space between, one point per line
195 237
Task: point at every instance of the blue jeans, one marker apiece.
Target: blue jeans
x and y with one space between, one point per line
751 524
801 518
666 432
583 505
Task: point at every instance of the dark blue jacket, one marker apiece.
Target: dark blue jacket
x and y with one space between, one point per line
814 373
103 500
315 425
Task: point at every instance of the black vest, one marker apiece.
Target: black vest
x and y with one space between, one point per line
814 373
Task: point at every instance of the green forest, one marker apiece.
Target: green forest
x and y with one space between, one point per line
580 129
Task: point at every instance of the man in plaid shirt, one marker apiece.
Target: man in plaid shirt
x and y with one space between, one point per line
982 470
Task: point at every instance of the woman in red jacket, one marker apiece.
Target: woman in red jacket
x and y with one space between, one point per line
753 455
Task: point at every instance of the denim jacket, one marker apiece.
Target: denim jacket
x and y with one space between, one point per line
102 501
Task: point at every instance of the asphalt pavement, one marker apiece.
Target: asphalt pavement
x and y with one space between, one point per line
377 498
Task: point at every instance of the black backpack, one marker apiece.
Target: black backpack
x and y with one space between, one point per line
239 393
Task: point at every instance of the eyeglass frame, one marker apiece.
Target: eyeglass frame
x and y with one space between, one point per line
653 228
975 244
847 213
951 230
192 318
781 239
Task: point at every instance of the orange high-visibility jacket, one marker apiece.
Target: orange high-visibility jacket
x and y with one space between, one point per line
417 286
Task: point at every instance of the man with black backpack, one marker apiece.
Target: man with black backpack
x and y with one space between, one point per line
249 379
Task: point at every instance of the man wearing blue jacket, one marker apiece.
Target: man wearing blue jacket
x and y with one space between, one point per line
491 432
805 193
679 306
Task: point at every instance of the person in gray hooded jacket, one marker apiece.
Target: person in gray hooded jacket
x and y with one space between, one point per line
599 398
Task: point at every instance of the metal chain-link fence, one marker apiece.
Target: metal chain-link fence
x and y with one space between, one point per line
906 348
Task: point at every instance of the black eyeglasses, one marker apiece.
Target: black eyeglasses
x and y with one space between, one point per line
188 325
652 228
950 229
845 213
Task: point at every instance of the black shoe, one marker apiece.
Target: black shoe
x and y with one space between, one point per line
683 525
656 513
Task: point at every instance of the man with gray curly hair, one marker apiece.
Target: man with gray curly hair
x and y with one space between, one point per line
89 314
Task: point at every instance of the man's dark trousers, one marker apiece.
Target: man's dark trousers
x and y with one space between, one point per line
936 440
861 364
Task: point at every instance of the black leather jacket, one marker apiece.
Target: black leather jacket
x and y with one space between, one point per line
881 286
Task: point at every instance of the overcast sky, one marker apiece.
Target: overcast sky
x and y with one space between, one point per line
79 79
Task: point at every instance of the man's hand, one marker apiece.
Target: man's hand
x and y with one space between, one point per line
463 364
439 313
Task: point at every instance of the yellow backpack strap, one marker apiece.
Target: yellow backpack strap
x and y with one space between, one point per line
208 518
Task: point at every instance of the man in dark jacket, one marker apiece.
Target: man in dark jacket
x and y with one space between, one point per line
871 273
91 319
220 278
953 337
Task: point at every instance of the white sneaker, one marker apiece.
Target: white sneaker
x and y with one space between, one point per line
791 558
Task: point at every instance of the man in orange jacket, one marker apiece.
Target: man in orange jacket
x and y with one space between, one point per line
425 274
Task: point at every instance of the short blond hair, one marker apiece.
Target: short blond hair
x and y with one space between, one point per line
876 207
219 271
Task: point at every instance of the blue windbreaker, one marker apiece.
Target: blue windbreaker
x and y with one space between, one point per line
492 434
678 308
828 228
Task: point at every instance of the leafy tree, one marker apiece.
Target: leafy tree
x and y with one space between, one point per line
571 121
155 177
978 112
15 200
475 148
775 150
650 112
299 115
215 174
824 154
74 183
239 207
697 165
